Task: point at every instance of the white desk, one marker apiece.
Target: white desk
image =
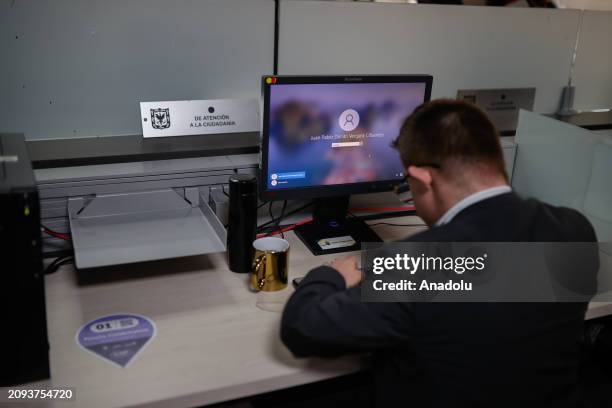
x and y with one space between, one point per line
213 343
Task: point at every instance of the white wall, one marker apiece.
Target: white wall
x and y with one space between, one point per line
463 47
75 68
593 68
584 4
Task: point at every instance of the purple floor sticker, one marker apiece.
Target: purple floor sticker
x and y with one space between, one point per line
116 338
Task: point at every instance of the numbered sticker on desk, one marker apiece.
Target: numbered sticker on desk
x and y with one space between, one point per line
116 338
116 324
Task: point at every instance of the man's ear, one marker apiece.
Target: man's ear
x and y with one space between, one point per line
420 174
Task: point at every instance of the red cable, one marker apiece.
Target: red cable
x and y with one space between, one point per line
65 237
357 209
288 228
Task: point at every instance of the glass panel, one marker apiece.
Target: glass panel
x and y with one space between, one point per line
563 164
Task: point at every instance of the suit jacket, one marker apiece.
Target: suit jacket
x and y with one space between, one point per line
454 354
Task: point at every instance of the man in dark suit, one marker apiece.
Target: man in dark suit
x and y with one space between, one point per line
452 354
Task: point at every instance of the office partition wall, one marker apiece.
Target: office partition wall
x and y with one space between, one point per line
462 47
76 68
593 67
565 165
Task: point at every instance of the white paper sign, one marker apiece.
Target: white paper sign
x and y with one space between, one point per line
182 118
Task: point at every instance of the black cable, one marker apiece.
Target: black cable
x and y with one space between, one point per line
390 214
290 213
270 212
384 223
278 220
64 262
397 225
56 263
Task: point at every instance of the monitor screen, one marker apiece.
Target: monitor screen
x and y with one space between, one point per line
333 135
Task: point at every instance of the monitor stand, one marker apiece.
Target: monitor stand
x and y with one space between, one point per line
331 231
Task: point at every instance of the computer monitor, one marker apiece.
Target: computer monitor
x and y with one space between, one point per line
327 137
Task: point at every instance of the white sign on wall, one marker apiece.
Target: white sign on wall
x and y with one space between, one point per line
182 118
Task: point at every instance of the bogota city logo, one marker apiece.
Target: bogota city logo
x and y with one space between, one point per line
160 118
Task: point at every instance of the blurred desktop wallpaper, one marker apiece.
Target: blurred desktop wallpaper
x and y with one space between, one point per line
326 134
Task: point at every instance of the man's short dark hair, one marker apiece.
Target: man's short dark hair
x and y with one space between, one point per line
449 131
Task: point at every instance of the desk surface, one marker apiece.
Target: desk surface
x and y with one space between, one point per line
214 342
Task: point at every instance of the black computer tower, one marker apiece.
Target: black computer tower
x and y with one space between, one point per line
24 356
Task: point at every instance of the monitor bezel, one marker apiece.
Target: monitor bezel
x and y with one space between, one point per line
334 190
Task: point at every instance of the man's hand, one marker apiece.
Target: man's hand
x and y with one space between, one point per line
349 270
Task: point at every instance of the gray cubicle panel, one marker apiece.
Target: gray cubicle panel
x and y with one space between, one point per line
565 165
463 47
78 68
593 69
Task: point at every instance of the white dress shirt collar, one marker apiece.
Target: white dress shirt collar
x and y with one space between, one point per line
471 200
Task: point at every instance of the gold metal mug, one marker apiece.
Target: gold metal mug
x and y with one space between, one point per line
269 270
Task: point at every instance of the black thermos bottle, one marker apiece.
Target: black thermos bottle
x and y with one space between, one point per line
242 227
